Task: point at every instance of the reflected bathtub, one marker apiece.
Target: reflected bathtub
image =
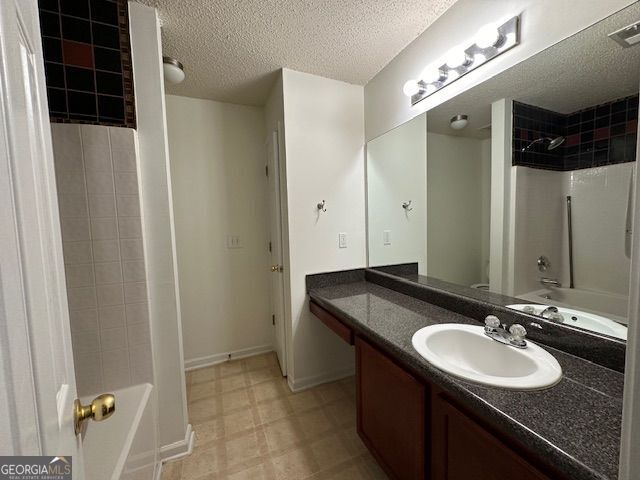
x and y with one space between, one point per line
123 447
610 305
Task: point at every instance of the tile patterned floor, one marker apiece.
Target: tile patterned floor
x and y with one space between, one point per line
248 425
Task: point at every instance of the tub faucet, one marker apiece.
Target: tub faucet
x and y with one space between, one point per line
550 282
552 313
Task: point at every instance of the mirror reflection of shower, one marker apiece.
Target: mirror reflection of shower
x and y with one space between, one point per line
553 143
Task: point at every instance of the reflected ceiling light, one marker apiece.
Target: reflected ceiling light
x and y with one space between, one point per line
490 41
488 36
459 122
173 70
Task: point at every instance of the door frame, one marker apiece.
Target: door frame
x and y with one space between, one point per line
273 141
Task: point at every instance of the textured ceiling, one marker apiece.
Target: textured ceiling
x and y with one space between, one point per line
584 70
232 50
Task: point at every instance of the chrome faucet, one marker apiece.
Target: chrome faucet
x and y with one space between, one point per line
514 337
550 282
552 313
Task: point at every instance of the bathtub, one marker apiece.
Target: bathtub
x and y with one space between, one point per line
610 305
123 447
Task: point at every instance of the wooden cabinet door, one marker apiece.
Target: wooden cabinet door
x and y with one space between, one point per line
463 450
391 413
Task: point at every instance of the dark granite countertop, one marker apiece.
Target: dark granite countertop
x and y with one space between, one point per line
573 426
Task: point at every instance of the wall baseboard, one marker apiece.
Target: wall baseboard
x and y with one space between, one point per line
179 449
201 362
304 383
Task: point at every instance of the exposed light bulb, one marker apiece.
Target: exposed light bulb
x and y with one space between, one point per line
432 74
488 36
456 57
411 88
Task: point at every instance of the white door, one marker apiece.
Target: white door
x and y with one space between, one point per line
37 380
275 246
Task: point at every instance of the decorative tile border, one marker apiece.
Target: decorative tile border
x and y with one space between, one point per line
599 135
88 66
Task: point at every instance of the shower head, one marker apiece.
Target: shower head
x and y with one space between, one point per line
553 142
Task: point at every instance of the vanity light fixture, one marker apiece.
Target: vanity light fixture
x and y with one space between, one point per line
490 41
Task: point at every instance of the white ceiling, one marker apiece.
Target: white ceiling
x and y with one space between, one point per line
584 70
232 50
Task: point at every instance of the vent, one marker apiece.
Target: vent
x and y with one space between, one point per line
628 36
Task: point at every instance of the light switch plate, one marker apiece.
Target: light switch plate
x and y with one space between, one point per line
386 237
342 240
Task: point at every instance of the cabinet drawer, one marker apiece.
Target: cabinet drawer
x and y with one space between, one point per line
332 322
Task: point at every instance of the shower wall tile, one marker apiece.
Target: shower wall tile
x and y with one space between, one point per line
88 61
600 135
104 255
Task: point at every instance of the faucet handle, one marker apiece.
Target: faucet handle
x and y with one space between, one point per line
491 321
518 331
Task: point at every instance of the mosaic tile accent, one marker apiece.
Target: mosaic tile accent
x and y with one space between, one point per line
600 135
87 55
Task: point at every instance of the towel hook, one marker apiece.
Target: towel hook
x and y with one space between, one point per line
321 206
407 206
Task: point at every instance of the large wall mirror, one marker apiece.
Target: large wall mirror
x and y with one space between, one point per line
522 187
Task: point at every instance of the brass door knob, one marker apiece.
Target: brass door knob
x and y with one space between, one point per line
100 409
277 268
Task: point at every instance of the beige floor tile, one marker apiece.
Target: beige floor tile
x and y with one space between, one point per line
343 412
282 434
329 451
304 400
201 462
238 421
198 391
172 470
269 390
353 441
257 472
272 410
257 361
314 423
209 431
203 410
236 400
330 392
233 382
244 449
202 375
264 374
295 465
232 367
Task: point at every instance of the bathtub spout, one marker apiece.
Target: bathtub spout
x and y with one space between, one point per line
550 282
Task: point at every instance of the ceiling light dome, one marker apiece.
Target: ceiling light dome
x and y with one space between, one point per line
173 70
459 122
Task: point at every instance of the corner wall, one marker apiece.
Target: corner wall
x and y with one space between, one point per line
324 161
220 189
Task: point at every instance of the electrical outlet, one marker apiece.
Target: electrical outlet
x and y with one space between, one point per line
386 237
233 241
342 240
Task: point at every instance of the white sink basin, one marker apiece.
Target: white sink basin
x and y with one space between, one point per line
577 318
466 352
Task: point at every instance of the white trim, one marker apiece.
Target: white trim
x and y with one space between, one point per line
297 385
180 449
158 473
202 362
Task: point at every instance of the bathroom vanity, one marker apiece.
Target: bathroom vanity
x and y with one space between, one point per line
420 422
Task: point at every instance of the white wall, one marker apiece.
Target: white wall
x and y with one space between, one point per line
324 141
158 231
396 173
219 189
458 188
103 255
544 23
